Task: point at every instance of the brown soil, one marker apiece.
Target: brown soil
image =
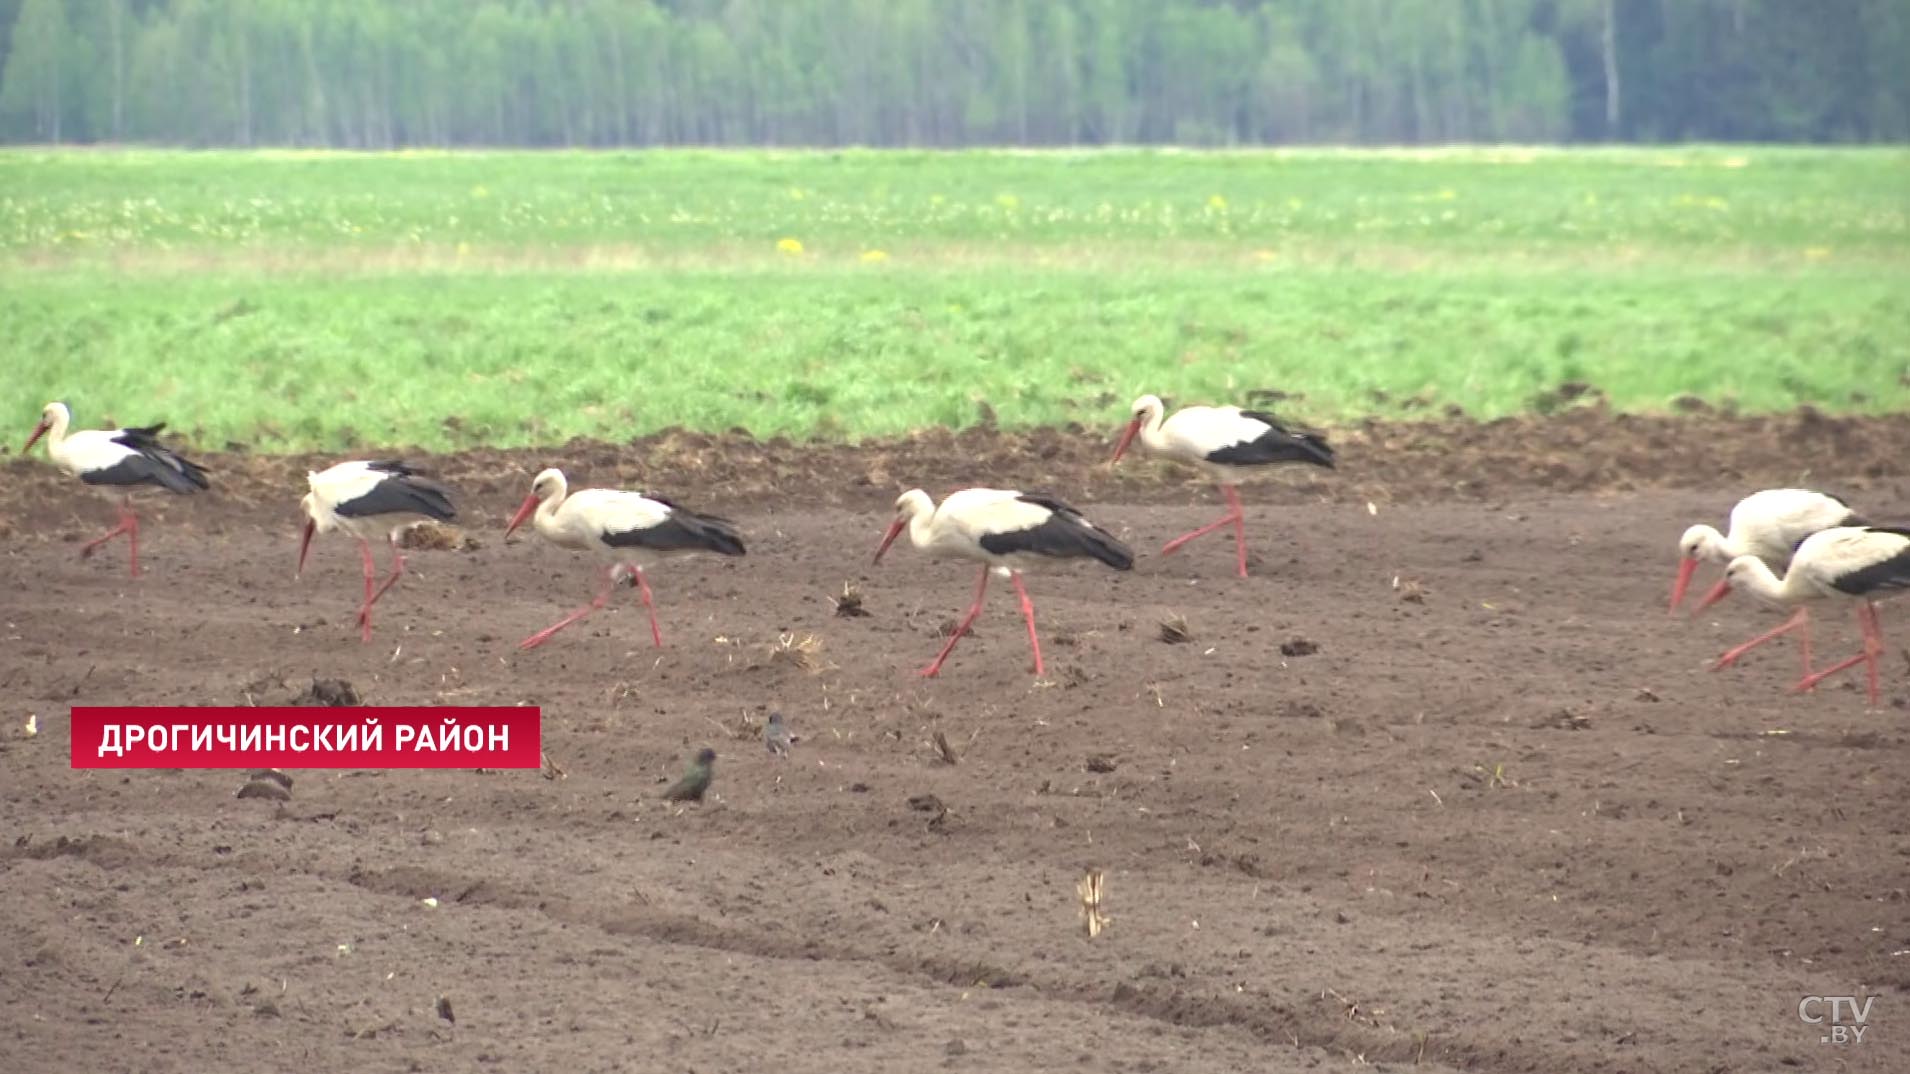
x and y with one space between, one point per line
1489 811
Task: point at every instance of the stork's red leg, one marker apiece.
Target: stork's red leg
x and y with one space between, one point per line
132 538
643 587
397 569
1873 648
371 568
981 589
1240 526
88 548
371 598
603 596
1028 610
1234 515
1174 545
364 609
128 523
1799 618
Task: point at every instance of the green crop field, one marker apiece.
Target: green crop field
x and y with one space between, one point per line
292 300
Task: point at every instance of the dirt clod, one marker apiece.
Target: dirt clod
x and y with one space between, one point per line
259 785
437 537
334 693
849 604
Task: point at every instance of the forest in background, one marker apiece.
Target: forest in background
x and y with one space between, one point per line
392 73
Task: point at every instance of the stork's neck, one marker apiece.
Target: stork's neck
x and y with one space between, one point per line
1761 582
56 430
1716 547
922 528
546 517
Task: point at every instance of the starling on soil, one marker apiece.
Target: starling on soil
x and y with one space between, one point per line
696 780
776 735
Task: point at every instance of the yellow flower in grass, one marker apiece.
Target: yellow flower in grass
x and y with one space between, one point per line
875 255
1217 203
1816 253
792 247
1708 201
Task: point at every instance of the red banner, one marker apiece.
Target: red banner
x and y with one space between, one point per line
301 737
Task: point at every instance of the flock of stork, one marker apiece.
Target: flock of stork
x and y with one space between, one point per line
1786 547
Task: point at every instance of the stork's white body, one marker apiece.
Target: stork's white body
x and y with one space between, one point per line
336 489
1195 435
91 451
1862 563
956 528
583 521
1227 443
1844 561
120 463
366 499
623 530
1768 525
1006 531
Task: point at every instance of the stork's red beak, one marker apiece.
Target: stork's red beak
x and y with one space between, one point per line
305 545
1685 571
38 431
523 512
1718 593
1126 439
895 530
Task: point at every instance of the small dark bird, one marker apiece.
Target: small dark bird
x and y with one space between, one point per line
776 735
696 780
444 1010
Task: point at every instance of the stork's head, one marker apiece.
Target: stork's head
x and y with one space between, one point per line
1147 408
908 506
1737 575
53 416
1699 543
548 486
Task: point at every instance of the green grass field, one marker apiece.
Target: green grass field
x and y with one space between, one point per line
288 300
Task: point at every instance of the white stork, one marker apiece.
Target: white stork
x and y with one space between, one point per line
1767 524
1226 442
623 529
1006 532
118 462
1867 563
365 499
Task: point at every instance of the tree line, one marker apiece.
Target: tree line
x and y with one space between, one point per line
385 73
